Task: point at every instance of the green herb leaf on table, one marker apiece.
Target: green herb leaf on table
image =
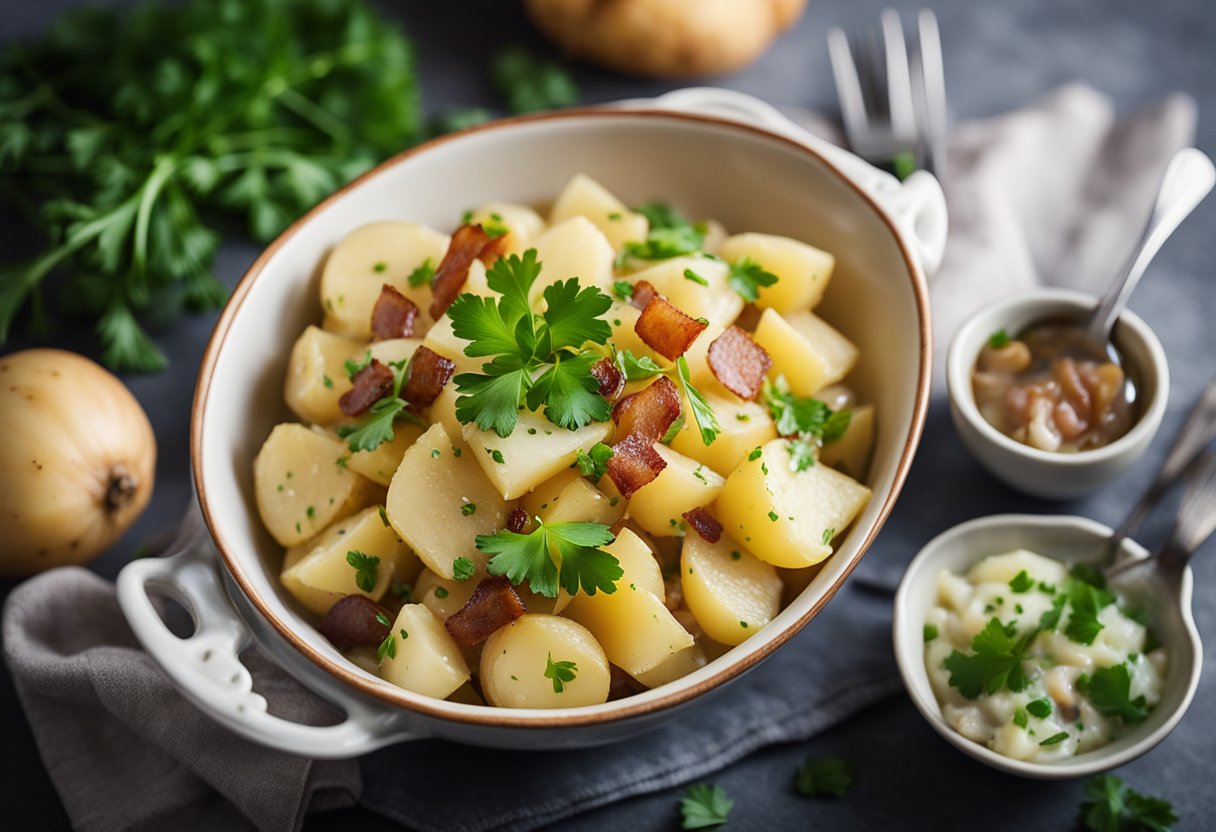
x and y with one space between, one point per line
996 661
704 806
562 673
747 277
530 83
1109 691
824 777
1110 805
366 569
536 556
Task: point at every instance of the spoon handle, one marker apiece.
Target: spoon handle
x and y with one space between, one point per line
1187 180
1196 516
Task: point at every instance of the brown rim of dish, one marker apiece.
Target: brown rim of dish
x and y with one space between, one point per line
504 717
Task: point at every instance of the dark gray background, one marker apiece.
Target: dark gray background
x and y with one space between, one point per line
999 55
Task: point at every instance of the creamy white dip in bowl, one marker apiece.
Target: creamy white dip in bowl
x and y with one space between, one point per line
1069 540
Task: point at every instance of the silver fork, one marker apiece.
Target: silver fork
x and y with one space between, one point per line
893 94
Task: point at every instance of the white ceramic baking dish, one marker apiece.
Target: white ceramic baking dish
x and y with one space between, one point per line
712 152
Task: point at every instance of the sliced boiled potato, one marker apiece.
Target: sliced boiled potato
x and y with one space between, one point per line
1001 569
537 501
683 485
476 282
785 517
300 485
731 592
584 197
623 317
390 351
443 410
535 451
802 271
705 294
850 454
676 666
744 424
573 248
323 575
805 349
442 340
426 660
316 375
638 565
517 658
380 465
366 259
523 225
582 502
634 627
426 501
446 596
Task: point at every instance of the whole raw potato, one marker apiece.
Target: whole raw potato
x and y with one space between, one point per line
664 38
77 460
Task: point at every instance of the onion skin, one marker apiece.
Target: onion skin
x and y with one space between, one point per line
77 460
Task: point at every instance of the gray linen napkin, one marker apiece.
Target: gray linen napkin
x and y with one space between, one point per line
1053 193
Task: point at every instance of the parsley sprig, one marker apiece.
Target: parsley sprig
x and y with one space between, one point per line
376 427
535 557
747 277
636 368
593 464
995 663
1112 806
366 569
562 673
537 359
670 235
704 806
809 423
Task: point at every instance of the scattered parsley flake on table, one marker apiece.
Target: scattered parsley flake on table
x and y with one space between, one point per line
704 806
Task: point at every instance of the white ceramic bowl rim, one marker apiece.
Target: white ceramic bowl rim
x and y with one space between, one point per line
660 698
960 363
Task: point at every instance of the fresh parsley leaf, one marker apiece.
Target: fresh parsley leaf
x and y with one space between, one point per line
637 368
594 464
834 426
1085 602
388 647
999 339
1110 805
376 427
1050 619
670 235
1109 691
1055 739
1020 718
530 83
704 806
423 275
573 315
353 367
689 274
824 777
366 569
570 393
747 277
462 568
930 632
808 423
623 289
535 557
1040 708
384 620
1087 573
702 413
1022 582
562 673
996 661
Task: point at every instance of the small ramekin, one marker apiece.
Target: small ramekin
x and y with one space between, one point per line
1048 474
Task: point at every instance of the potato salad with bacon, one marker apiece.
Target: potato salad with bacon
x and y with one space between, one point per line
547 462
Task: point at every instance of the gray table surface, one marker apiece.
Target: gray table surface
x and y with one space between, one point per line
998 55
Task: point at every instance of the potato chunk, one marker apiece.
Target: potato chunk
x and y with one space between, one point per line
427 660
522 223
802 271
446 596
322 576
535 451
442 340
638 565
850 454
426 502
366 259
706 294
300 486
585 197
582 502
380 465
731 592
574 248
517 657
785 517
744 426
316 375
806 350
634 627
675 666
683 485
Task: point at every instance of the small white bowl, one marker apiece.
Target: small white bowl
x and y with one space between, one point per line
1067 539
1047 474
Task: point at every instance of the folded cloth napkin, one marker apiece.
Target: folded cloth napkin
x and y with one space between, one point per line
1054 194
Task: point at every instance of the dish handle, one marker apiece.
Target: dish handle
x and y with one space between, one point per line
206 666
917 204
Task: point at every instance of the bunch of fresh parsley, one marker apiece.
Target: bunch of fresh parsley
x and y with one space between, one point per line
537 359
123 133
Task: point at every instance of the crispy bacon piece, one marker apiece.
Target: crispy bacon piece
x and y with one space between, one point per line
517 520
643 291
649 412
493 605
371 384
609 377
666 329
467 244
739 362
429 371
351 622
497 247
634 463
705 523
393 315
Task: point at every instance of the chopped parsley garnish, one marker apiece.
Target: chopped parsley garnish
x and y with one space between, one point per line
388 647
999 339
538 359
593 464
670 235
496 455
824 777
1020 718
1111 806
383 516
376 427
996 661
468 509
441 592
1109 691
746 278
366 567
689 274
379 266
772 515
623 289
637 367
1050 619
704 806
1085 602
828 534
809 423
1022 582
353 367
462 568
328 382
423 275
702 413
562 673
384 619
536 556
930 632
1055 739
1040 708
434 453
